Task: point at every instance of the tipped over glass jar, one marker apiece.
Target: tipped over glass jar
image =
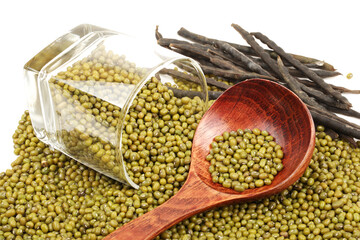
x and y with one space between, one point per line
114 103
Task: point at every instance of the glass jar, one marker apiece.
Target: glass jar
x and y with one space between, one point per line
98 96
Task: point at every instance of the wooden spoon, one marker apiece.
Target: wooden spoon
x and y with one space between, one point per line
250 104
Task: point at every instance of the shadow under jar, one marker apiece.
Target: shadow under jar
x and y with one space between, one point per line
104 99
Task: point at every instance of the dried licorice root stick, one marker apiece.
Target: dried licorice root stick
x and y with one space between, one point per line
258 49
348 112
157 33
335 117
306 60
191 78
193 48
295 86
196 37
337 88
334 124
237 55
308 72
225 56
345 90
220 62
234 76
324 98
296 73
324 73
165 42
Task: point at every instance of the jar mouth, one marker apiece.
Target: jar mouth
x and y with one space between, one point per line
151 73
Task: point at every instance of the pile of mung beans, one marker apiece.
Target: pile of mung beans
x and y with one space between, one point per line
244 159
46 195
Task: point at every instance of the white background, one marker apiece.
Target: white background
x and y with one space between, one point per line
327 30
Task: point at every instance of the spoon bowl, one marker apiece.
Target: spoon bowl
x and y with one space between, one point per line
268 106
254 103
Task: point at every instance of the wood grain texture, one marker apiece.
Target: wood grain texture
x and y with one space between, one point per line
250 104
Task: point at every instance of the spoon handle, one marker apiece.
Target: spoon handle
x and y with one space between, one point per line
194 197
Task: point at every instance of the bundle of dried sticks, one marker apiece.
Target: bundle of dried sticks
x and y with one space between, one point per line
303 75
